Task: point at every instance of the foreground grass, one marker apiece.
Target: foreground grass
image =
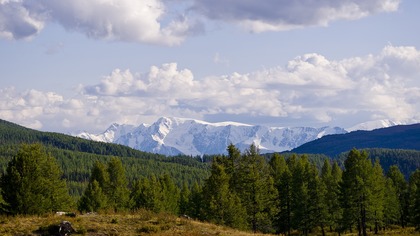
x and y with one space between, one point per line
139 223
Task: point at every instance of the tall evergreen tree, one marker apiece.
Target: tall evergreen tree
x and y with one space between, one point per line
391 204
32 183
93 199
195 202
117 189
221 205
376 206
414 203
256 190
301 196
184 199
356 191
284 217
401 188
331 177
278 167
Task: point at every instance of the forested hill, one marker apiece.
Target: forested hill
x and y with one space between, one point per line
11 134
395 137
76 156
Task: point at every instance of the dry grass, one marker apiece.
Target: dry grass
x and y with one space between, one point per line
139 223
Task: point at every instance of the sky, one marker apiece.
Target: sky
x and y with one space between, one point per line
73 65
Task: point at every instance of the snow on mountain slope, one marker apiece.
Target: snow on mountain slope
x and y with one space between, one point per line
376 124
172 136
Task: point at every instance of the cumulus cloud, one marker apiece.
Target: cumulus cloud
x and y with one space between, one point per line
17 21
122 20
310 89
169 22
273 15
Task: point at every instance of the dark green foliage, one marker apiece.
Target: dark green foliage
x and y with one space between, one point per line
156 194
331 177
356 191
32 183
395 137
116 189
93 198
220 204
401 188
414 204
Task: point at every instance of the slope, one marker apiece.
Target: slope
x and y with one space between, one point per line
395 137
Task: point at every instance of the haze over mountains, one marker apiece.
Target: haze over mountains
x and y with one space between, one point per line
173 136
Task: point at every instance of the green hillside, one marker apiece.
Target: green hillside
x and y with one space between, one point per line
76 157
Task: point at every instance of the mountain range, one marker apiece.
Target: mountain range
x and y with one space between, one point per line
174 136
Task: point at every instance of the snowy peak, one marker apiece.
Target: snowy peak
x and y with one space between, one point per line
109 135
376 124
173 136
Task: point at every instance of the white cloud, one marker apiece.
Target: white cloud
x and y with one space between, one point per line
310 89
169 22
17 21
273 15
120 20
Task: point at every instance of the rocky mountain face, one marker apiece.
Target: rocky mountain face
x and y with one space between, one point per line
173 136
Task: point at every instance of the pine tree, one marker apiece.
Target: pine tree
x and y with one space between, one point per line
401 188
391 204
117 190
414 203
284 217
300 196
169 196
256 190
32 183
356 191
278 167
93 198
331 178
195 202
376 206
221 205
318 213
184 199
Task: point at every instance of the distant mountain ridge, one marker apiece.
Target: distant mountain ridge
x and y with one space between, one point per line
394 137
173 136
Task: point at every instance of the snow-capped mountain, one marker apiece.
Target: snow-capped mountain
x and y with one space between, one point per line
376 124
172 136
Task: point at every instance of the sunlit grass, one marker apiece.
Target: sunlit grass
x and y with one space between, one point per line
141 222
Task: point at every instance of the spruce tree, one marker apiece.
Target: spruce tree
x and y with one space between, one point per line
32 183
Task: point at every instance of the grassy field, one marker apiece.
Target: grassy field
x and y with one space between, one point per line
140 223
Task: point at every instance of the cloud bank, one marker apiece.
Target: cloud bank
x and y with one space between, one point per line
310 89
169 22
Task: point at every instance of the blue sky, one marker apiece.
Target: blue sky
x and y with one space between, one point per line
73 65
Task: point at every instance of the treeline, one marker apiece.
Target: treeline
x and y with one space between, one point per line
283 195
